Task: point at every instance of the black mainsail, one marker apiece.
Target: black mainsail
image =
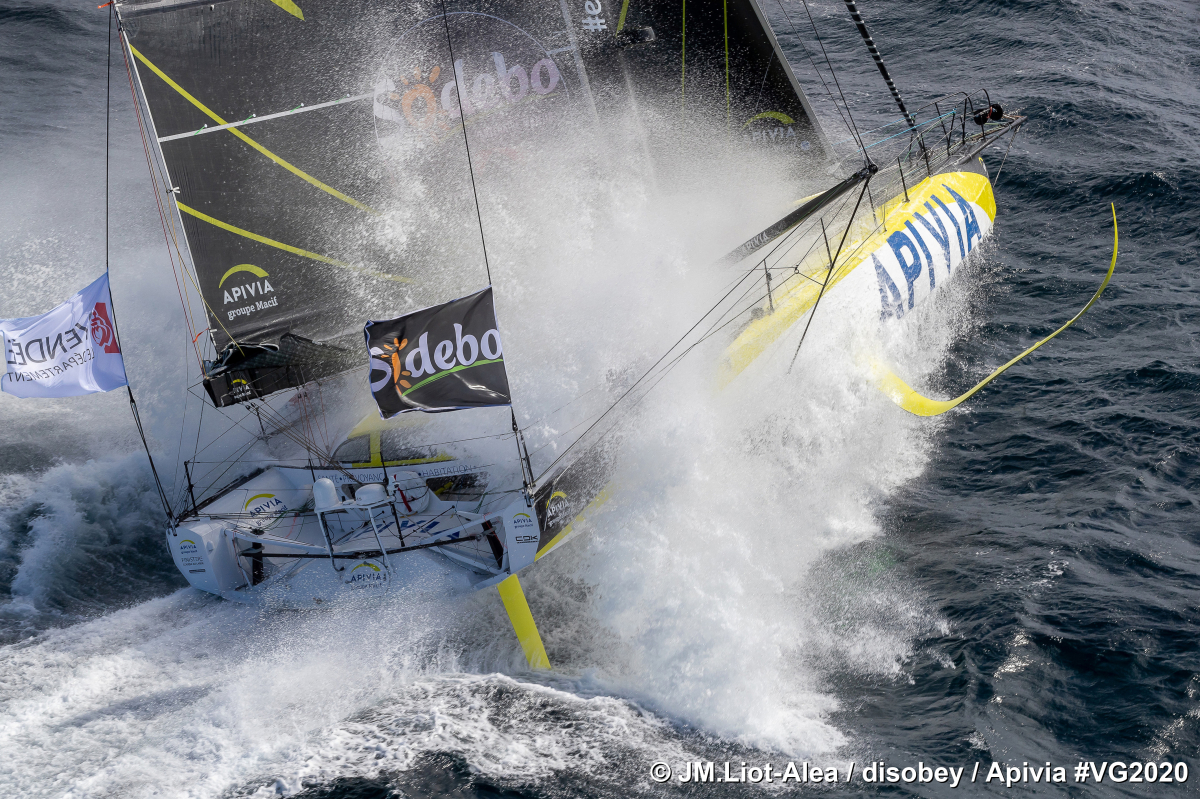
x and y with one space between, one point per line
720 65
300 136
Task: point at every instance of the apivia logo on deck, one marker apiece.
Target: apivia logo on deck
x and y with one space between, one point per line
247 282
263 503
366 575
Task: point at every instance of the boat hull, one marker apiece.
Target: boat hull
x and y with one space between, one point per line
262 543
896 260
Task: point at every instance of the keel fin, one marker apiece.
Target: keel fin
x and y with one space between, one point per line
903 395
522 622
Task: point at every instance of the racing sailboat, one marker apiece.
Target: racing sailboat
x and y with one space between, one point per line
289 141
285 140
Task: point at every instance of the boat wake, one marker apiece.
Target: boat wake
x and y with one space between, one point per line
719 592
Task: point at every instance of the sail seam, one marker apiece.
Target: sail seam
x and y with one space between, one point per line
295 170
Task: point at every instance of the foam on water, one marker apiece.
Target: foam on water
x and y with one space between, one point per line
191 696
83 539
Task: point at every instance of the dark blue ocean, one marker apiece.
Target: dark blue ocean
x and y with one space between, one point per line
1014 583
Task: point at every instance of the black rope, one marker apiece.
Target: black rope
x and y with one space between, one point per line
458 93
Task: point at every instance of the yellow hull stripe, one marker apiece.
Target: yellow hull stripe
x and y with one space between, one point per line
187 209
911 401
522 622
791 304
300 173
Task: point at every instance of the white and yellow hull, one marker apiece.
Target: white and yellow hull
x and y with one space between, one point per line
897 257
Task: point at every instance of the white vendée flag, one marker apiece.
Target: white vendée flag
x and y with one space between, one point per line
65 352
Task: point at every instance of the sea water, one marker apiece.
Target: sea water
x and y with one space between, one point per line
790 571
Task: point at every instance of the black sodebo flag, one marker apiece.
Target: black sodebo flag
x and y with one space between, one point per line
443 358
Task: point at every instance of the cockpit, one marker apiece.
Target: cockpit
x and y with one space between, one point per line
393 446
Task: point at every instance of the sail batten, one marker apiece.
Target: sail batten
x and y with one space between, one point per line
266 117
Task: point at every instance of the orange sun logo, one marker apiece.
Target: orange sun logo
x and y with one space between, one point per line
420 91
392 351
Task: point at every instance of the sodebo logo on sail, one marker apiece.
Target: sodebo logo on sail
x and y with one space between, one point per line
506 85
423 361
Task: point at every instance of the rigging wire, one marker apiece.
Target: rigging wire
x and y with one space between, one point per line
168 220
162 217
793 234
715 330
597 387
796 237
137 419
646 374
850 128
799 238
874 51
756 303
833 73
458 93
182 426
889 124
835 270
199 430
1011 139
832 262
